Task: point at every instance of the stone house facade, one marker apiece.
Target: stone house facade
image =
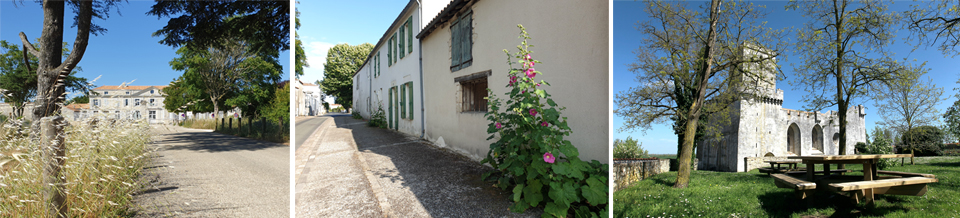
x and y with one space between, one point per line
761 129
128 102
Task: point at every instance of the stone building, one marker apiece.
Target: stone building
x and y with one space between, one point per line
127 102
761 129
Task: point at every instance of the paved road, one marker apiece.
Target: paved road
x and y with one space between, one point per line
197 173
347 169
307 126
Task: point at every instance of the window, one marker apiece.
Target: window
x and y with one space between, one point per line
151 102
410 34
401 48
406 101
376 65
152 115
390 52
461 48
126 102
128 92
473 89
136 102
96 102
106 93
403 101
117 114
136 114
151 91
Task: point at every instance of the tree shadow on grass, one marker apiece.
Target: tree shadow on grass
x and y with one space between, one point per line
946 164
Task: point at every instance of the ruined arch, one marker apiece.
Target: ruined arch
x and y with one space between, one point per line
817 137
793 139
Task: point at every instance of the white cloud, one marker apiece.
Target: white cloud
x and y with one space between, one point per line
316 56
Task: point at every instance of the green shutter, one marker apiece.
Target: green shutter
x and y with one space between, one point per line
390 109
467 32
410 99
394 50
403 99
455 46
390 52
410 34
401 48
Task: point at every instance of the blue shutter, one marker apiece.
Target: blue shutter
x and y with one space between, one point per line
455 46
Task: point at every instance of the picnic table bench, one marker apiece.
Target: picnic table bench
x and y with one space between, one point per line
776 166
859 188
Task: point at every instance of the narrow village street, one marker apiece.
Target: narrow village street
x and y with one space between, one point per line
198 173
347 169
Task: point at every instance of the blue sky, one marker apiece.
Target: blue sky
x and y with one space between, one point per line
126 52
324 24
661 140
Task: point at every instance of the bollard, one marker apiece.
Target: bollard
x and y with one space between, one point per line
54 149
263 126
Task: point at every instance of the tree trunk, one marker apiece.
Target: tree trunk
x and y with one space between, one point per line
693 115
216 108
51 71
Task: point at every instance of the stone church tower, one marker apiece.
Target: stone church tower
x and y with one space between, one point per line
761 129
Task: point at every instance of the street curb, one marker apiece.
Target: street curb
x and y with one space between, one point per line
375 187
309 147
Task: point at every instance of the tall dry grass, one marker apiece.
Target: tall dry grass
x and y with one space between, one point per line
101 170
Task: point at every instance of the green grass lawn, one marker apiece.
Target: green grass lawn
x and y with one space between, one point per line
753 194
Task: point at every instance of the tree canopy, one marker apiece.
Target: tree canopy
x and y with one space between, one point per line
936 22
203 24
300 59
909 102
694 63
843 45
342 61
20 84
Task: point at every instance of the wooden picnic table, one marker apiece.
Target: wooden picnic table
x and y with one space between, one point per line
792 164
870 184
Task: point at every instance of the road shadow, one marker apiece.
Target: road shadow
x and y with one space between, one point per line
446 184
211 142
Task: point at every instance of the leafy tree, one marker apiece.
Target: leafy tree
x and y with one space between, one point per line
951 119
835 49
204 24
628 148
342 61
691 64
927 140
909 102
226 70
300 60
934 21
20 84
50 66
83 99
187 94
279 108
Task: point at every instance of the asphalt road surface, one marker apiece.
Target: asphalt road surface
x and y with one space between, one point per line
198 173
306 127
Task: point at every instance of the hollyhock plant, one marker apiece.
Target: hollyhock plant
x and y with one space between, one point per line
561 183
548 157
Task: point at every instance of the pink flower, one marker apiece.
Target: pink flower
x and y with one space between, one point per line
523 92
538 84
499 126
527 57
532 63
533 112
544 123
530 73
548 157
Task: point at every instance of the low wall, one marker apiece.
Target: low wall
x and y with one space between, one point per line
751 163
675 164
626 172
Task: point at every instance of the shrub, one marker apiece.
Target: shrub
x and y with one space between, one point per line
922 141
378 118
356 115
880 145
629 148
530 153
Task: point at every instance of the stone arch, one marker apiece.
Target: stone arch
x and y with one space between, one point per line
793 139
836 139
817 137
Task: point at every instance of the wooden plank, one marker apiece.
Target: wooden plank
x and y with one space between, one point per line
801 171
906 174
850 157
782 161
850 186
855 161
785 181
912 190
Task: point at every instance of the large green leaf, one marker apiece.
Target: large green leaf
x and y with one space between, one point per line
554 210
517 191
533 193
595 192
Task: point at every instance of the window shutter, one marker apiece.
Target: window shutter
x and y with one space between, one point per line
403 100
410 99
454 46
466 57
401 48
390 52
410 34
